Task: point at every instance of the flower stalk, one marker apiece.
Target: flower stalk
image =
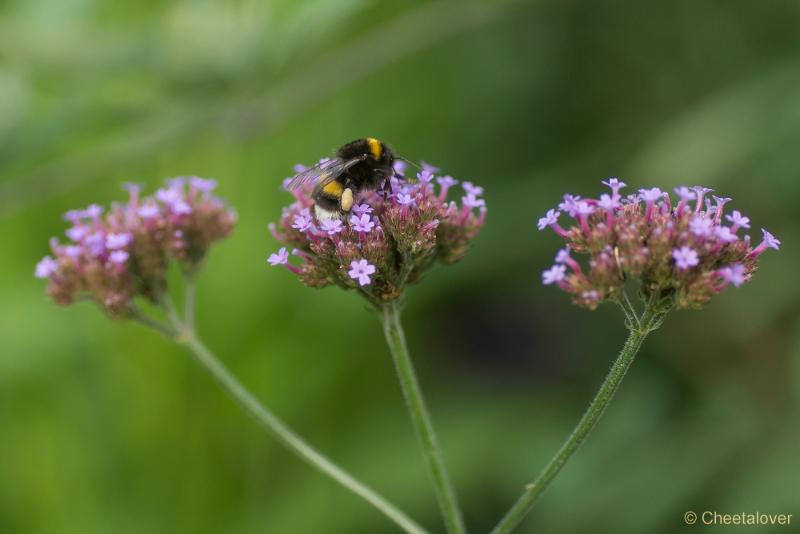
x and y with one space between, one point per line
679 258
420 418
640 326
182 333
391 238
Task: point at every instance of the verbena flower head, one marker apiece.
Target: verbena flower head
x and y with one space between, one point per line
389 240
683 250
125 253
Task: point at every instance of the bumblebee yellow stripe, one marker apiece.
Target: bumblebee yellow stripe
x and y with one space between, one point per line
374 147
333 189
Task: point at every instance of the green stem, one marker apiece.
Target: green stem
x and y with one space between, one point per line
187 337
289 439
421 419
639 329
136 315
188 304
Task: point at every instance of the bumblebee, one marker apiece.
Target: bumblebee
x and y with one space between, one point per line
360 165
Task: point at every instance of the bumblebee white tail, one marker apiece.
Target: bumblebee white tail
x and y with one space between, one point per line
325 215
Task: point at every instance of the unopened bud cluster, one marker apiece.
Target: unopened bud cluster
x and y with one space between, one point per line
389 238
686 249
112 257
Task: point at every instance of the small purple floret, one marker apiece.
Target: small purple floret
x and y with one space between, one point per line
651 195
279 258
570 205
72 251
180 207
95 243
46 267
361 209
118 241
725 235
119 257
331 226
302 223
615 184
76 233
609 202
738 220
74 216
205 186
735 274
701 226
583 208
685 258
446 181
428 167
94 211
562 256
425 177
405 198
551 217
471 201
362 224
472 189
148 211
684 193
360 270
769 240
554 274
169 195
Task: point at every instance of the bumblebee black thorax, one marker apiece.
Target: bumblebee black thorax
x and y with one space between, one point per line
376 166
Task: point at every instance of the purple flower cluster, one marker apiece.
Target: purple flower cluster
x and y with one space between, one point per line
388 240
112 258
684 248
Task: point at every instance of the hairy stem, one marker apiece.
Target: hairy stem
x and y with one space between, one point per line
639 329
632 310
421 419
181 332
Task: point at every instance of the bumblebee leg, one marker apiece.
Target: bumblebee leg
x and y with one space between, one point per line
387 186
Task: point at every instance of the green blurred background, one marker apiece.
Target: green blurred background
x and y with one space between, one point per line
106 427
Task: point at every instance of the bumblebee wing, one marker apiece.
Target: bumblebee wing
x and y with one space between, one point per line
322 173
